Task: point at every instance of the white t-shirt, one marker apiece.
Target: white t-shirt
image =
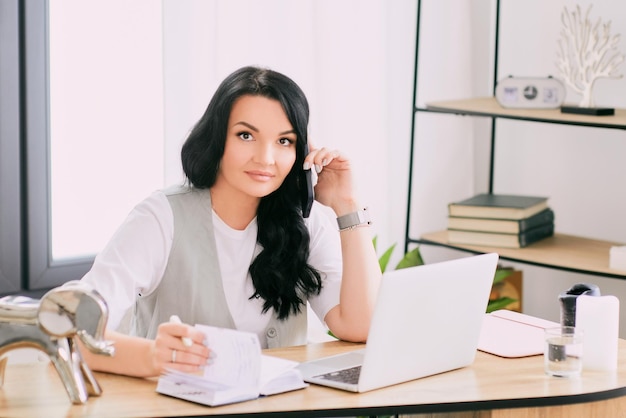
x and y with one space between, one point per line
134 261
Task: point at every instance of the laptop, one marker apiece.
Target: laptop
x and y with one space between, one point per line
427 320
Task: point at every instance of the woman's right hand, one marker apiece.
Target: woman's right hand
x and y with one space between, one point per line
170 352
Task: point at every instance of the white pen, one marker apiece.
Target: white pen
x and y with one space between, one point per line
187 342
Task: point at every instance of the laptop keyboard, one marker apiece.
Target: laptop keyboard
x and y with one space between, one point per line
350 375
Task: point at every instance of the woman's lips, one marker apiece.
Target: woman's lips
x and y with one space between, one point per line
260 175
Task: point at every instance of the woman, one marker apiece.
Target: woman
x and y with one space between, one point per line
231 248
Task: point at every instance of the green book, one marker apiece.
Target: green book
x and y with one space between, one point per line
497 206
506 226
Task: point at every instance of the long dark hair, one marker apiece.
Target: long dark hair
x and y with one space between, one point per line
280 273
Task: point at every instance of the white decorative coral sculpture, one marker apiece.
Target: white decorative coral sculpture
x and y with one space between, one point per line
586 53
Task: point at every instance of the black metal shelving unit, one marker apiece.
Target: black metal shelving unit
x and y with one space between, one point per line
562 246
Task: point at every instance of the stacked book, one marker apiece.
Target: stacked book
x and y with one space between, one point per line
512 221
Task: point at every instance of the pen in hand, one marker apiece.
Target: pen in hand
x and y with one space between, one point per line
187 342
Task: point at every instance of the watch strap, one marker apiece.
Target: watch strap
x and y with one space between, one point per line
353 220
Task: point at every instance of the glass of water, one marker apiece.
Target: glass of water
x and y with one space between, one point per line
563 353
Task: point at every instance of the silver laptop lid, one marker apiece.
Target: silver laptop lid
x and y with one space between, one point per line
427 320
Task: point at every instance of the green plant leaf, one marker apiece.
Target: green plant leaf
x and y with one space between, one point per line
411 259
499 303
384 259
502 274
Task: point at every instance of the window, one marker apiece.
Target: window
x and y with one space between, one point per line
81 131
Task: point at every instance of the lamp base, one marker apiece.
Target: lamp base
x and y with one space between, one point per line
594 111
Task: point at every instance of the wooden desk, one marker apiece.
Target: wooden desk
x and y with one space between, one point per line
491 387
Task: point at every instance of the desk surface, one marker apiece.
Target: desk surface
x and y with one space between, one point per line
490 383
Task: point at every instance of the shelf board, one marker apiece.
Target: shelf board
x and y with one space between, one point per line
564 252
489 107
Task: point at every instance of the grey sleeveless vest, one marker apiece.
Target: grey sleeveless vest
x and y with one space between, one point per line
192 284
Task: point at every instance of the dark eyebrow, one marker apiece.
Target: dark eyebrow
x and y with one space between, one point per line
247 125
252 128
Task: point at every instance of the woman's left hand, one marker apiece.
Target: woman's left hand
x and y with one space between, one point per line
351 318
334 179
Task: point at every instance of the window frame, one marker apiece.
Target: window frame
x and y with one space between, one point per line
10 164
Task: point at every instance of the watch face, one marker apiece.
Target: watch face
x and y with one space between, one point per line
530 92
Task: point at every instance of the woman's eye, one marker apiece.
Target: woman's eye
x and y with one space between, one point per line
285 141
245 136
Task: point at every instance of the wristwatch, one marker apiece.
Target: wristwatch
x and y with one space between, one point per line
353 220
